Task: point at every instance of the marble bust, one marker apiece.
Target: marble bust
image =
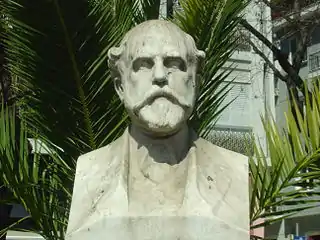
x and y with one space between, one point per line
159 180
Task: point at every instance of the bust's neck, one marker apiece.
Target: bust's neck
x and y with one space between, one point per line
176 144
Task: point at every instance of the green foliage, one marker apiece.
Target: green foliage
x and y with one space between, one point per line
212 24
58 51
286 182
41 183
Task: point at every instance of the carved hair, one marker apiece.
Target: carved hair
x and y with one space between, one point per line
115 53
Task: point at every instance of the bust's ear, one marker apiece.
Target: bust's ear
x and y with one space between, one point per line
200 65
118 87
114 55
201 55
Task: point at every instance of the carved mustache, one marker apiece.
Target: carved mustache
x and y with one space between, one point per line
161 92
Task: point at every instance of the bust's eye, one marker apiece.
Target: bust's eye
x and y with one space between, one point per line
175 63
142 63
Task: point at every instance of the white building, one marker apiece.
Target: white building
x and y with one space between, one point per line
310 65
306 223
253 86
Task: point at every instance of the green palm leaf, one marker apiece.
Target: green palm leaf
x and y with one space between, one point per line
213 25
60 56
40 183
286 183
58 51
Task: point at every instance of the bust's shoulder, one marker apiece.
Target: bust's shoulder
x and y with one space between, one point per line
96 172
213 156
223 177
101 154
212 159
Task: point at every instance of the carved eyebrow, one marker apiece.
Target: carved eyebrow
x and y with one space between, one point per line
174 57
138 60
178 59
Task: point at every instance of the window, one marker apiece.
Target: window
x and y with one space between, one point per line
315 39
242 36
289 46
293 46
285 46
238 113
305 57
314 62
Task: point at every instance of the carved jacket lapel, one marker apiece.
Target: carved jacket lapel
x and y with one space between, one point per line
222 181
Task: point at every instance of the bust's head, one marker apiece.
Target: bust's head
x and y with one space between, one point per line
155 75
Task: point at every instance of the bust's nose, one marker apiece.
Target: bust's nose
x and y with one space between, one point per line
159 74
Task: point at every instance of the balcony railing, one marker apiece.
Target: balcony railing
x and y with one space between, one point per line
286 7
314 62
237 140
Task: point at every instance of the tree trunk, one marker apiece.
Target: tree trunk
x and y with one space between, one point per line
169 8
293 93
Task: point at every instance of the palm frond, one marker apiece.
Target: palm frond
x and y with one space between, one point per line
213 26
41 184
12 226
286 183
58 51
150 9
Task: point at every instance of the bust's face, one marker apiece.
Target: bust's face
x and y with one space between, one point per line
158 84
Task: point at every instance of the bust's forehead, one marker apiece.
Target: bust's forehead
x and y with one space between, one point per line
156 45
154 28
155 38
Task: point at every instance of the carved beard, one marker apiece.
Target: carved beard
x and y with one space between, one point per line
162 114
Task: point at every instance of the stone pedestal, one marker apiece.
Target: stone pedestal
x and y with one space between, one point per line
161 228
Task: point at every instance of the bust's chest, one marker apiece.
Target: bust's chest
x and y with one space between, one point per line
156 188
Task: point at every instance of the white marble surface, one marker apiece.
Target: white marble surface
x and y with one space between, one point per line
19 235
215 202
159 180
